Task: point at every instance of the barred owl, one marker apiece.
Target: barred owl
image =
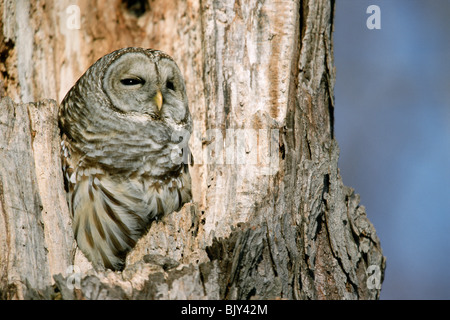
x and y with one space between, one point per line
124 128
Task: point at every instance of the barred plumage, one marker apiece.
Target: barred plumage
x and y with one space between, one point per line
123 125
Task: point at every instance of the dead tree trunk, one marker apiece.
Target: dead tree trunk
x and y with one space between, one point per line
271 217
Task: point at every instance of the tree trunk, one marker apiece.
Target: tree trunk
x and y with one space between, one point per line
271 217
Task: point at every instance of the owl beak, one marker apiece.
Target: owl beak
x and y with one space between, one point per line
158 99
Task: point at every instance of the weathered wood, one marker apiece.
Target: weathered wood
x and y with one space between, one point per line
271 217
36 237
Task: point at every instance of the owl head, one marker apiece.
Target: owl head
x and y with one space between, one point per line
134 81
145 82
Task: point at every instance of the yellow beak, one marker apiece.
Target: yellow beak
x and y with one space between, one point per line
158 99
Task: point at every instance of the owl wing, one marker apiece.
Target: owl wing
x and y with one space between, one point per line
108 219
110 215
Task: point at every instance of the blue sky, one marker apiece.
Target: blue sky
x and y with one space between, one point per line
393 127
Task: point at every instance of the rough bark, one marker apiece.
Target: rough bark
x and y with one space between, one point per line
271 217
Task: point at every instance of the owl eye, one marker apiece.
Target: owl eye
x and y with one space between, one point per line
132 81
170 85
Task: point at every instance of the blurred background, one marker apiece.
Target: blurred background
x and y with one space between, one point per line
392 122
